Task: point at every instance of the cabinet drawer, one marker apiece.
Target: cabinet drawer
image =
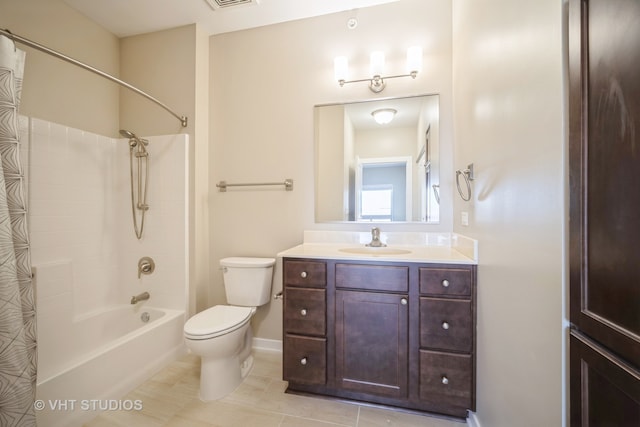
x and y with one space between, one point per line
446 324
445 281
305 359
373 277
304 311
446 382
305 273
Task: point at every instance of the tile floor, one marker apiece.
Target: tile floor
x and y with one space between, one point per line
170 399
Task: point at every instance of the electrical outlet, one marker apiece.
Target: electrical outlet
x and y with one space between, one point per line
464 218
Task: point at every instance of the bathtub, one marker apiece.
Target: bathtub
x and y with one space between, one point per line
100 358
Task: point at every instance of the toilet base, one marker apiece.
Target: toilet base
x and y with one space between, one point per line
220 376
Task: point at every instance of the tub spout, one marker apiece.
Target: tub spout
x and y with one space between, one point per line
141 297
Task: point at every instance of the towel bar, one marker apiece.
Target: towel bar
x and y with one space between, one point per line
288 184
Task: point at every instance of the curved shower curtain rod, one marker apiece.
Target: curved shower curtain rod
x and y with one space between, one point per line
38 46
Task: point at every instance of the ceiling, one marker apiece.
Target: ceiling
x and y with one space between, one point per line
130 17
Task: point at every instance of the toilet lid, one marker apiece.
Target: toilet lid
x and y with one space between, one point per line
217 320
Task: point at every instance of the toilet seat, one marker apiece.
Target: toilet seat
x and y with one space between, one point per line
216 321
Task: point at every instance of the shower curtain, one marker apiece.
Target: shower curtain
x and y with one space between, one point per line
18 354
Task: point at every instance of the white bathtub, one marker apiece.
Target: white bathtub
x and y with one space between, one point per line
101 358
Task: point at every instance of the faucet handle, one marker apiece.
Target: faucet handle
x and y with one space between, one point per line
145 266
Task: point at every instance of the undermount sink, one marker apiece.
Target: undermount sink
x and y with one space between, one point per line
369 250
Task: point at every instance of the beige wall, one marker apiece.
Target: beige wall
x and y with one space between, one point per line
173 66
58 91
256 89
508 109
265 82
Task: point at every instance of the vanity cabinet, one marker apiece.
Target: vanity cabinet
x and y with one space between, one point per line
305 340
390 333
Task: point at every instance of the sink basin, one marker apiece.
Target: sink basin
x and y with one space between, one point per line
368 250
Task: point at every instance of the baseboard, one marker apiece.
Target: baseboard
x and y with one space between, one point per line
472 420
267 344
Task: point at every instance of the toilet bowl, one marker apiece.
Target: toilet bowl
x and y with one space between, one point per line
221 335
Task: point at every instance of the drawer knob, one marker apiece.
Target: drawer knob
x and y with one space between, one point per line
445 380
303 274
403 301
445 325
303 361
303 312
445 283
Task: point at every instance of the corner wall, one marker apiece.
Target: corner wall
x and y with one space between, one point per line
509 122
55 90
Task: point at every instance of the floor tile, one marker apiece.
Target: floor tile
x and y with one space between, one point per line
170 399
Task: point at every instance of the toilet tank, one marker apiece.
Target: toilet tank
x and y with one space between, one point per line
247 281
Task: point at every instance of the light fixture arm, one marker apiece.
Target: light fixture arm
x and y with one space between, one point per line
377 83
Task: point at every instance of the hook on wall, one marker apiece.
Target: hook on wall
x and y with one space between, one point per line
468 176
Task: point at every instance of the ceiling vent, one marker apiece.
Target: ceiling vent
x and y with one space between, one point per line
227 4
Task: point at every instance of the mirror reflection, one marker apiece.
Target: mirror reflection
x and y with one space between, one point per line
378 161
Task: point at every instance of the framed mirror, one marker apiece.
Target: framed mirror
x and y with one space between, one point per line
368 171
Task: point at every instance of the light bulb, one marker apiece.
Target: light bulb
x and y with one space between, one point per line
377 63
340 68
414 59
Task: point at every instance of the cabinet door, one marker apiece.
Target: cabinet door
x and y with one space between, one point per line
371 342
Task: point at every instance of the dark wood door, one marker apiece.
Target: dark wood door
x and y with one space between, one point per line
372 342
604 69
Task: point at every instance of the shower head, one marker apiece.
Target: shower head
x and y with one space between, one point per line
128 134
133 137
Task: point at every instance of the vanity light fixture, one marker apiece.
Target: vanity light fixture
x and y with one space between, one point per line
376 66
384 115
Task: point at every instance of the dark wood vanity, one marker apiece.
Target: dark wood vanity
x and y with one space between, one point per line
391 333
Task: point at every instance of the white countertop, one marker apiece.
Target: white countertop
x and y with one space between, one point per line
445 248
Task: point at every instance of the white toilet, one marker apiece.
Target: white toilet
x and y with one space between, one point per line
221 335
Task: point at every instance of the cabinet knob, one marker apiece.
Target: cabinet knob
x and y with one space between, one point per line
303 361
445 380
445 283
403 301
445 325
303 274
303 312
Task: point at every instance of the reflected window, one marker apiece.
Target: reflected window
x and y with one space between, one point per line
376 202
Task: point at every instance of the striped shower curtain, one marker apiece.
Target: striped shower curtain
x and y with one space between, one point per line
17 305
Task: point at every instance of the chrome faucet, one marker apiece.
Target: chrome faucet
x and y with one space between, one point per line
141 297
375 239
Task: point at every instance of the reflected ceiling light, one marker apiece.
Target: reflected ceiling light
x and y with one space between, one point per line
376 68
384 115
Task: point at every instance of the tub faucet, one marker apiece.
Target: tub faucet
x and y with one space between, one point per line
141 297
375 239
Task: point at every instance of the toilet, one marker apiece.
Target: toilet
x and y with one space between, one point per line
221 335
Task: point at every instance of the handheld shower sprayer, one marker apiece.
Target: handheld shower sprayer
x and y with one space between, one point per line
138 198
134 140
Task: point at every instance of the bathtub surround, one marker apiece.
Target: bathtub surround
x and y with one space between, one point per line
85 258
18 354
